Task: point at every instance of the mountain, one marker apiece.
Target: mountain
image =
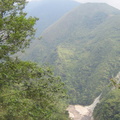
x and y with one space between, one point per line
84 48
49 11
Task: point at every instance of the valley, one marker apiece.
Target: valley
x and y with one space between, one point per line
83 48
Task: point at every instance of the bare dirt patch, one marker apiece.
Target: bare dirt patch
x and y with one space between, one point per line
79 112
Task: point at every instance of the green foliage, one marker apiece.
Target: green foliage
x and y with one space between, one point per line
29 92
115 82
109 108
16 30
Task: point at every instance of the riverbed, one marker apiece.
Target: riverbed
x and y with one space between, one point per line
79 112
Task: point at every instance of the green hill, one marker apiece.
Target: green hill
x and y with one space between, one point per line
84 48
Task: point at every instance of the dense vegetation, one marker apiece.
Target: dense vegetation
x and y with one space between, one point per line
27 91
84 48
109 108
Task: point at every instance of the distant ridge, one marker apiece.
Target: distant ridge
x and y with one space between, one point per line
49 11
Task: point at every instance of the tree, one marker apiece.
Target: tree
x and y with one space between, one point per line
27 91
31 93
16 30
115 82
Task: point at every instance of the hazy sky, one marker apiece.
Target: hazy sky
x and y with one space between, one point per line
114 3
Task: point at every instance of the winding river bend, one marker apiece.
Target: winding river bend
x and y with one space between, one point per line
78 112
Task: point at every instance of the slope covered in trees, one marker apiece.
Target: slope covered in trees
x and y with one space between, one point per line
109 106
84 48
27 91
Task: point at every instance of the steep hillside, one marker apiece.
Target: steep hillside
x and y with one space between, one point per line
109 108
48 11
84 48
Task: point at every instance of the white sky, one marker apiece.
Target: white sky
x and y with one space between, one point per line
114 3
34 0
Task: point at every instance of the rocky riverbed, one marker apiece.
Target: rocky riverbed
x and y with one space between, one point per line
79 112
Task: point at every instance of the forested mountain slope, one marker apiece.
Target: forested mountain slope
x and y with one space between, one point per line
109 106
49 11
84 48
